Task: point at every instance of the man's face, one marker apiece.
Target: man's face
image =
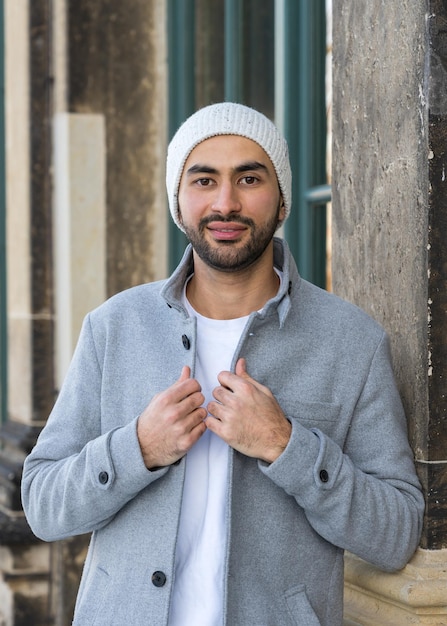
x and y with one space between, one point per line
230 202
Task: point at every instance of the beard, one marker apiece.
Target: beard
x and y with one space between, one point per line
229 256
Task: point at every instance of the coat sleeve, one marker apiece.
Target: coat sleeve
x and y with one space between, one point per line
77 478
366 497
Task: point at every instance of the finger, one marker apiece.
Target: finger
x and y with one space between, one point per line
231 381
193 402
195 419
185 385
185 373
241 371
241 367
214 410
228 380
213 424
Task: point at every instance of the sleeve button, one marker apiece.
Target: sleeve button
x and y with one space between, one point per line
324 476
103 478
158 579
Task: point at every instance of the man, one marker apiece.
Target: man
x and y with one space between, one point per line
227 433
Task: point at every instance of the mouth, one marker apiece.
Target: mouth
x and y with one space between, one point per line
224 231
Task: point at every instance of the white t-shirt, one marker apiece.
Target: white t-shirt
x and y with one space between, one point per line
197 596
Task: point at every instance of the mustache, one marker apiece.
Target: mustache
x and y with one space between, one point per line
231 217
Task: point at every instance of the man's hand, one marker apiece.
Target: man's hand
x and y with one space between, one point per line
247 416
172 422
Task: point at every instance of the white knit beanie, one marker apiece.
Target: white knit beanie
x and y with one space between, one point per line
226 118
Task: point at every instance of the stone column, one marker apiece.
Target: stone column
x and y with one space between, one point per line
24 574
117 68
389 256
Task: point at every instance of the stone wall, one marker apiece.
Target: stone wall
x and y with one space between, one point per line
380 179
390 258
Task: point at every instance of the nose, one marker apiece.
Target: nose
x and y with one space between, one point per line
226 199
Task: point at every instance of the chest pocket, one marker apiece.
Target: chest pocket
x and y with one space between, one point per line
326 417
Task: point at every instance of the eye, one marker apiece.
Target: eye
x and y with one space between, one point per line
203 182
249 180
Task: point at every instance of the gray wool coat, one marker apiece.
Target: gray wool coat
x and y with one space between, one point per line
346 480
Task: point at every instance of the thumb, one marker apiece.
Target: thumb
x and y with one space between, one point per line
241 371
241 368
185 374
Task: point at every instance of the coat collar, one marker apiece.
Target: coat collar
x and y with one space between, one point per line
282 259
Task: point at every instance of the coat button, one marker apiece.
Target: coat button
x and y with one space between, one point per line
103 478
158 579
186 342
324 476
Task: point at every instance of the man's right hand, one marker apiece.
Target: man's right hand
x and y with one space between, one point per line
172 422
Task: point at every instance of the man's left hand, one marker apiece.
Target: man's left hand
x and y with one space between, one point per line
247 416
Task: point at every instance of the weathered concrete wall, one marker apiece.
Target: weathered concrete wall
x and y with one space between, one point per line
390 257
435 478
389 203
24 575
380 184
18 263
117 68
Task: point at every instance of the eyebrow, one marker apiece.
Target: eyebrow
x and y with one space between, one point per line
250 166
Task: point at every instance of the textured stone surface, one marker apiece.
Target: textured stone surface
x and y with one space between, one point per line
389 208
436 437
40 211
67 562
115 69
416 595
79 227
24 585
380 183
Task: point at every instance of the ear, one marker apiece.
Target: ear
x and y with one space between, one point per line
282 210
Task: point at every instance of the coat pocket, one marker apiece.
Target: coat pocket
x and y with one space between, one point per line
92 599
299 607
314 413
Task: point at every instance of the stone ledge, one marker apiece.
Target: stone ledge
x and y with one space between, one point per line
415 595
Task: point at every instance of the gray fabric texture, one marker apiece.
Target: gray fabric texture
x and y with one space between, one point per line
346 480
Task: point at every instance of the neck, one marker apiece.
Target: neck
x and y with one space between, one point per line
229 295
